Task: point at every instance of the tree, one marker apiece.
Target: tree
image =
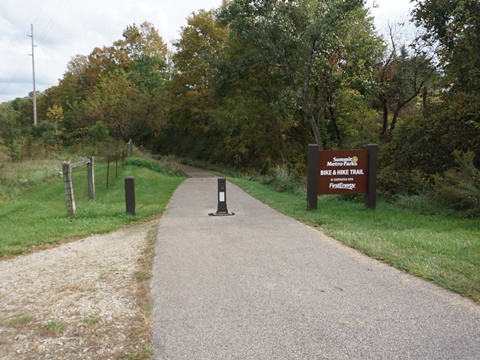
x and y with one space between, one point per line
297 37
55 113
10 129
455 26
115 102
24 109
190 131
132 105
149 74
253 128
143 41
191 85
402 76
127 111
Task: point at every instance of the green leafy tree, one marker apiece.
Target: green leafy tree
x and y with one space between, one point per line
455 26
24 108
98 133
402 76
122 85
191 86
251 110
77 81
138 42
116 103
453 122
299 38
127 111
190 130
149 74
10 129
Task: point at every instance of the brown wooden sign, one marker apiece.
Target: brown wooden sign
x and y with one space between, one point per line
343 172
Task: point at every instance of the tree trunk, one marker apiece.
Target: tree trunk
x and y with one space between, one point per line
315 130
385 115
333 117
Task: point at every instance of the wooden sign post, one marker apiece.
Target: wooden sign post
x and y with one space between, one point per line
342 172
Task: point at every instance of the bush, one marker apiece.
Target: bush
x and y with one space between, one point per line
459 187
47 132
392 182
98 133
282 179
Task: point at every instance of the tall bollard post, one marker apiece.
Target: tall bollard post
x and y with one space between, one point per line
222 199
130 195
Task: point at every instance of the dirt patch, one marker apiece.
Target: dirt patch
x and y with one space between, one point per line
86 299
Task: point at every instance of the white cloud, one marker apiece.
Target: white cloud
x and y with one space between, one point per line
65 28
389 12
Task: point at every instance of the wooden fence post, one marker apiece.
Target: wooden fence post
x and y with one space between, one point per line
91 179
68 182
129 152
68 185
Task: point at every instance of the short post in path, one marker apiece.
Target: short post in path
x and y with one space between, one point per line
222 199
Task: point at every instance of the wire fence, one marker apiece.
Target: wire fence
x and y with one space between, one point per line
113 162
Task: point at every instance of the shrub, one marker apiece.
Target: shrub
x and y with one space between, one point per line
46 131
98 132
282 179
392 182
459 187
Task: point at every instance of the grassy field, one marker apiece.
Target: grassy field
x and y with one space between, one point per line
38 216
444 250
16 178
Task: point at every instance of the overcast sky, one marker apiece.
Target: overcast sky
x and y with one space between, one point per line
65 28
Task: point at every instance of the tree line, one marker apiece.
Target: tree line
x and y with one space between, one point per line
252 83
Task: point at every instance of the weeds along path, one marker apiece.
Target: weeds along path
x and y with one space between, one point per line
79 300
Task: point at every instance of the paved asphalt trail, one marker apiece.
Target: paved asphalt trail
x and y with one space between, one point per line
259 285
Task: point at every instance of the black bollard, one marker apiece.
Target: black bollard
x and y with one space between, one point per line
222 199
130 195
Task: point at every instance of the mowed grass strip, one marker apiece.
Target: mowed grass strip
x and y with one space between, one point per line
39 216
444 250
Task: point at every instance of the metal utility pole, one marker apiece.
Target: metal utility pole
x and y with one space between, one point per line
34 87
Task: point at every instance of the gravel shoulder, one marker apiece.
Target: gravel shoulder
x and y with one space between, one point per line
79 300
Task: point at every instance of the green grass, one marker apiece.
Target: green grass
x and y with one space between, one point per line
18 321
53 328
442 249
16 178
143 354
39 216
91 320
